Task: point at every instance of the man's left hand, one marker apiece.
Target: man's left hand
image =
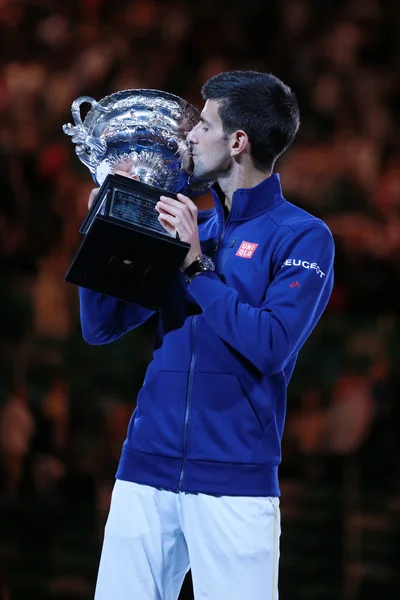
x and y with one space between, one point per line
181 216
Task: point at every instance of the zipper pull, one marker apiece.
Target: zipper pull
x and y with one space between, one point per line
214 249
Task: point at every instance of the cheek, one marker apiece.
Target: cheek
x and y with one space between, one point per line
219 153
213 149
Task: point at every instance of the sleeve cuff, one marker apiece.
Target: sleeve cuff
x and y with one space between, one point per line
205 288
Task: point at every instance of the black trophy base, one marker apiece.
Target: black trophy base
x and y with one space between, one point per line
126 253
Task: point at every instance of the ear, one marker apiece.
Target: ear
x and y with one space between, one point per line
239 143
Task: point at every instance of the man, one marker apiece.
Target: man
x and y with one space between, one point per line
197 483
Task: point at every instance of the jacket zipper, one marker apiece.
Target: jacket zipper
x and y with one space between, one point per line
221 236
191 372
188 398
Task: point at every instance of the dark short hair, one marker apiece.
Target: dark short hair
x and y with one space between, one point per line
260 104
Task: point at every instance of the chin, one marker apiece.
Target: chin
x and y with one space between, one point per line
200 173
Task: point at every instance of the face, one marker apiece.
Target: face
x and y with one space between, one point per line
209 145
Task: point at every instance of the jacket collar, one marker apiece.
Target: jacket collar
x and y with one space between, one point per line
248 203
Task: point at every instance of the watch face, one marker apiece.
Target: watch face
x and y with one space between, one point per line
206 262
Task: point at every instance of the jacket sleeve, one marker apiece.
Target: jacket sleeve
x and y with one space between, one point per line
105 319
270 335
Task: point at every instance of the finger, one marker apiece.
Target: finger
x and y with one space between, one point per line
184 199
166 218
184 206
167 225
181 217
171 201
177 208
172 209
189 203
180 227
92 196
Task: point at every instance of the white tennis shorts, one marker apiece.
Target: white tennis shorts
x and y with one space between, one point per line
152 538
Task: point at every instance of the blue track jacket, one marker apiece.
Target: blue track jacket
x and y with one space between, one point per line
211 412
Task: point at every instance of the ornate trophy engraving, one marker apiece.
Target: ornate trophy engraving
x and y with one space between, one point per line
126 253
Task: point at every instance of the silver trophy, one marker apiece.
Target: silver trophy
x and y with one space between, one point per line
126 252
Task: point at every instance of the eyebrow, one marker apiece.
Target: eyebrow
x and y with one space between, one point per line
203 120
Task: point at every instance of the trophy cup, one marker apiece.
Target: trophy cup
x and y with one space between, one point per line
126 253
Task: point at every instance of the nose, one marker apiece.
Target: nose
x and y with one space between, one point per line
191 137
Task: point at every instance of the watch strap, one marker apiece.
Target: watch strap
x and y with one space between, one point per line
193 269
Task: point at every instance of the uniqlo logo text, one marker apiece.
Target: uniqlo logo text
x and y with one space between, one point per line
246 249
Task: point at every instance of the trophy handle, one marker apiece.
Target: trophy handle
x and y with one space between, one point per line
88 148
76 108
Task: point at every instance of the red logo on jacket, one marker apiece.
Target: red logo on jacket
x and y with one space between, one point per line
246 249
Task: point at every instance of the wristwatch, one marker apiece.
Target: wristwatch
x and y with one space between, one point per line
200 264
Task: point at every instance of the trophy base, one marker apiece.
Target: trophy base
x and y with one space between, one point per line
126 261
126 252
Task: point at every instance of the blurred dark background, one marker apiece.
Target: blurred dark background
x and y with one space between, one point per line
64 406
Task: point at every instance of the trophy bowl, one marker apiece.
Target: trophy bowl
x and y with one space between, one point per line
126 253
142 132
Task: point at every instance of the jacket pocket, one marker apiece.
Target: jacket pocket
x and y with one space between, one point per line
224 427
157 424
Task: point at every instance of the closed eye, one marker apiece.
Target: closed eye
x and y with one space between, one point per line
205 124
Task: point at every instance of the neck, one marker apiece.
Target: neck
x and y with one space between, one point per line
240 177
